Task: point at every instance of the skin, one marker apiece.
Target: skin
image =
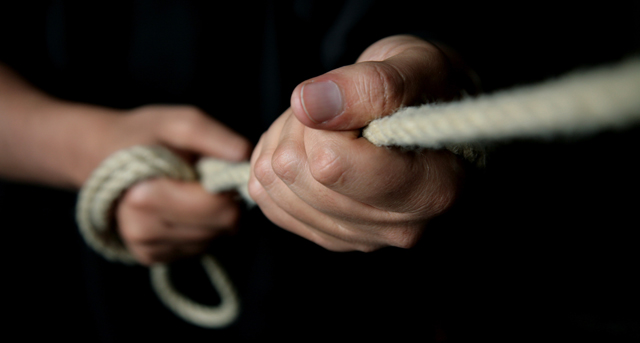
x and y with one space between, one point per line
318 179
322 181
159 220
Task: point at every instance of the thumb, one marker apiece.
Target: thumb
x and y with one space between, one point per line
392 73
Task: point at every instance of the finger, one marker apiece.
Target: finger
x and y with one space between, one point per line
363 227
291 164
363 172
285 221
261 170
406 73
184 203
323 211
143 235
189 129
271 192
142 228
273 132
260 159
397 220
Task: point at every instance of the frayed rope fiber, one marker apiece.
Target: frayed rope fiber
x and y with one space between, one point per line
578 103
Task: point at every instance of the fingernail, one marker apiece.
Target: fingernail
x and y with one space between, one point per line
322 101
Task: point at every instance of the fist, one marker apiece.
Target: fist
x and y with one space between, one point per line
160 220
313 174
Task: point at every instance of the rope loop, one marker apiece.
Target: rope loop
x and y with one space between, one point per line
100 194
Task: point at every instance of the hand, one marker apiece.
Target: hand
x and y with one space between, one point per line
161 219
59 143
312 173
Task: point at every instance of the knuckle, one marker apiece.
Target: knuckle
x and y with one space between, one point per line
386 88
181 125
182 129
263 170
357 240
256 191
325 166
285 163
405 238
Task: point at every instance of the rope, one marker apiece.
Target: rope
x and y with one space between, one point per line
577 103
206 316
581 103
112 178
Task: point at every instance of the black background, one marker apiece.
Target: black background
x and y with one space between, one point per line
541 246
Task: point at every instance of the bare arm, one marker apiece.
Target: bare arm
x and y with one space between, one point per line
47 140
58 143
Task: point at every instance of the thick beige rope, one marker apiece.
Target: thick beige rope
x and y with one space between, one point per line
206 316
578 103
583 102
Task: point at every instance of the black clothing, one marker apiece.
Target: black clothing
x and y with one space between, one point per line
522 256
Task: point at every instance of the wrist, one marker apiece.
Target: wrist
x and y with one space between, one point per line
70 140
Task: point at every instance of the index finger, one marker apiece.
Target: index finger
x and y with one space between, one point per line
184 203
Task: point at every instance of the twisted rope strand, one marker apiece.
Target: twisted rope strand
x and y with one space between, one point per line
584 102
206 316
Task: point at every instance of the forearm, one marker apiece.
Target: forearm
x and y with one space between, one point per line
58 143
46 140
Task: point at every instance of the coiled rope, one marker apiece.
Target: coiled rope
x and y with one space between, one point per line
585 102
119 172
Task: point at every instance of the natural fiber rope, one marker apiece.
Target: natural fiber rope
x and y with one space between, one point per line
206 316
580 102
577 103
119 172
